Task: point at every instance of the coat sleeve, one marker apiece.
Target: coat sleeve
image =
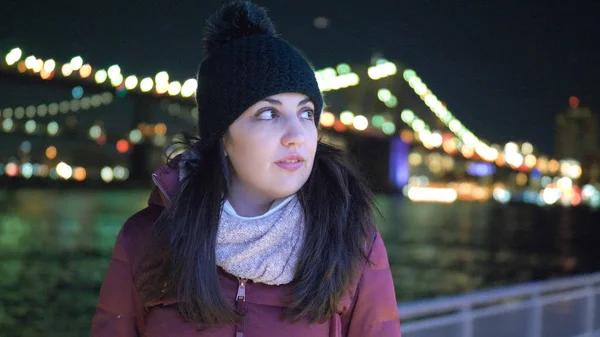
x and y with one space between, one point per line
116 310
375 310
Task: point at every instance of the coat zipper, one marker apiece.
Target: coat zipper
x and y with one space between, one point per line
240 304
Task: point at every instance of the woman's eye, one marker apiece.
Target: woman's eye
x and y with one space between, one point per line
308 114
267 114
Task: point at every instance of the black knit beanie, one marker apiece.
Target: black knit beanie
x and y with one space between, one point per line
245 62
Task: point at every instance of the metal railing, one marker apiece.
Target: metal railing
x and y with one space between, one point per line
568 307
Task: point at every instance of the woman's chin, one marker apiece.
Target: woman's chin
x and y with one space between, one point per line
286 188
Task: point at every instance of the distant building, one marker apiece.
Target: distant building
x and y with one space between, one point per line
576 132
591 170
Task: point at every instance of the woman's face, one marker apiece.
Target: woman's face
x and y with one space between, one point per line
272 146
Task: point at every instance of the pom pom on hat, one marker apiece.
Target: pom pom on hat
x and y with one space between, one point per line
235 20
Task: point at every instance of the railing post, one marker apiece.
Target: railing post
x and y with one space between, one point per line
467 320
536 313
590 308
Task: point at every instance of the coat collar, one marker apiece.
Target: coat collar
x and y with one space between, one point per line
166 181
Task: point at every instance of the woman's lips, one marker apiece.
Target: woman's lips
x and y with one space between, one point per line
290 162
290 165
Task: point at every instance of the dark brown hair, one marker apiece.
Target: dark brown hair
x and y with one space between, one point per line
337 207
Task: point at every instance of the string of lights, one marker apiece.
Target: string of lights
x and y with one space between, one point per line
54 168
61 170
62 107
328 78
517 157
49 69
334 79
382 68
443 114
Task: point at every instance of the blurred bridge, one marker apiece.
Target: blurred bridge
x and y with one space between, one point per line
76 122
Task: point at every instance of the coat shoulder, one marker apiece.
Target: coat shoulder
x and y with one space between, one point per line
136 233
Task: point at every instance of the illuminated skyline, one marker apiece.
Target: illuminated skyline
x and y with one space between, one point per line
514 65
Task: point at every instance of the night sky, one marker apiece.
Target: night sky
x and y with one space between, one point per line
505 68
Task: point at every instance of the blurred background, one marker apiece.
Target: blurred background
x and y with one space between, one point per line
475 122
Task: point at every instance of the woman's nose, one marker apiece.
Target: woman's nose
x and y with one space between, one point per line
294 135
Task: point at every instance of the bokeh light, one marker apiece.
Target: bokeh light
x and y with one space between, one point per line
51 152
360 122
327 119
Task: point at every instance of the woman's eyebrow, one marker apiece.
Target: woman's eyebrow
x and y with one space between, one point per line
304 101
276 102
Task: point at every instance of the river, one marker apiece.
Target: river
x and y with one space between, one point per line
55 246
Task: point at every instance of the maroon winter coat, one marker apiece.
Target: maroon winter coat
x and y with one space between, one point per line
367 309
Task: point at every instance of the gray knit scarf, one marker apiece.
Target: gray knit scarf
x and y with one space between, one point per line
265 248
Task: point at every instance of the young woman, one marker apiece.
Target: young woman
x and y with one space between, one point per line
258 229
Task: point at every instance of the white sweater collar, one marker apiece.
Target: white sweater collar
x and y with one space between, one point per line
277 205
